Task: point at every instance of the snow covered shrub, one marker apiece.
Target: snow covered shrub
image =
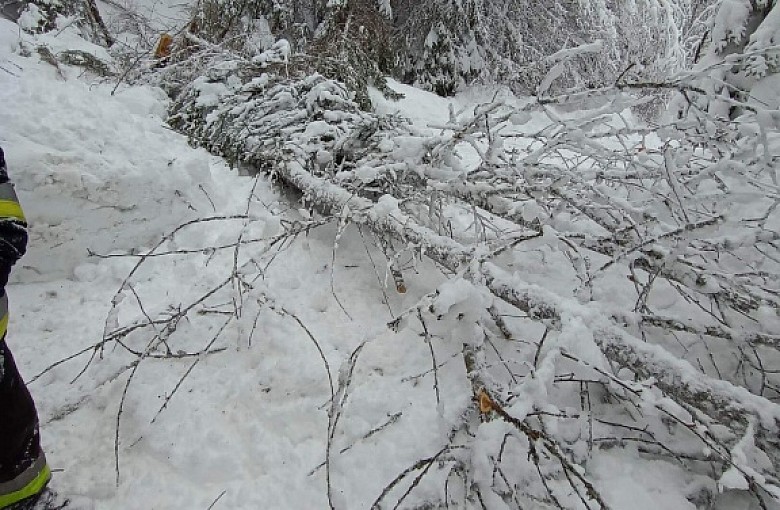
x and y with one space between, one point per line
354 46
443 44
229 23
43 16
694 24
441 50
742 54
448 43
350 41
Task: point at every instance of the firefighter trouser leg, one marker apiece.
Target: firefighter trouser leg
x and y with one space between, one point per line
23 469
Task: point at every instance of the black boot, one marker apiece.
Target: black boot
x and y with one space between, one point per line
23 469
47 499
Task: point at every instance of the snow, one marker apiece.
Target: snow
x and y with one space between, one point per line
385 8
418 105
729 23
616 472
553 74
567 53
764 93
767 35
278 53
103 179
139 23
101 173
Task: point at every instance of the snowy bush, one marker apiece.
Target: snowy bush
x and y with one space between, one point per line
46 15
442 45
450 43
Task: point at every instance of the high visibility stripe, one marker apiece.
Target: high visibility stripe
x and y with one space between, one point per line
3 314
32 488
9 203
11 209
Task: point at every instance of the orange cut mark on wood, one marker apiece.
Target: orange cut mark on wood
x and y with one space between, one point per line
485 404
163 48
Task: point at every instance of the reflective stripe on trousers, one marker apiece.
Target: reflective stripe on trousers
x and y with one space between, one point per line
9 203
29 483
3 315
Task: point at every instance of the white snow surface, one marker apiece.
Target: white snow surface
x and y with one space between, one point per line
99 172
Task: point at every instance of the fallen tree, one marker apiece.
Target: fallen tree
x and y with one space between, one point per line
661 208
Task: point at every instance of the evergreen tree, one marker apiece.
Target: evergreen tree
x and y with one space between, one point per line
744 37
443 44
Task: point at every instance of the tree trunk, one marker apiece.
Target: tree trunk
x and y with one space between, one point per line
93 17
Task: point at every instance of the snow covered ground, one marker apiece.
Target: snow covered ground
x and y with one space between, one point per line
99 173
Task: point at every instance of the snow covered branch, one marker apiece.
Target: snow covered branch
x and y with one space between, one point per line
661 213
